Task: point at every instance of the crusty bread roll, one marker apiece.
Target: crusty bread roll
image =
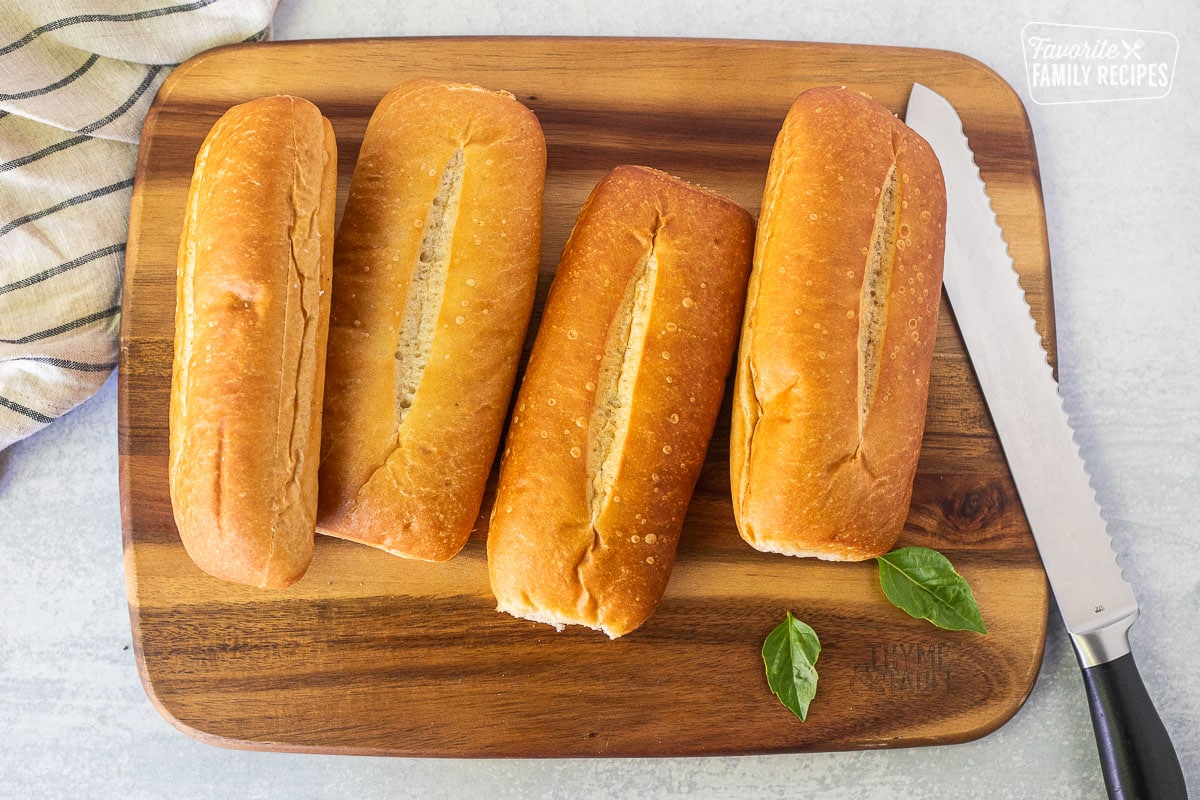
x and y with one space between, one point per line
618 402
435 271
841 316
250 327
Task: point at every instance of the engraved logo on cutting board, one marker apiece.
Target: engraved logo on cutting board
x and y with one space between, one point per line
906 668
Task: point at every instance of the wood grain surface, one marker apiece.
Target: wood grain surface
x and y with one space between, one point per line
377 655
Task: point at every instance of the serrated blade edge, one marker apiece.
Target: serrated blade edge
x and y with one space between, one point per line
1022 395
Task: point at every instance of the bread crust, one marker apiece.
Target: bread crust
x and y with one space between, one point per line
411 480
253 279
833 377
572 541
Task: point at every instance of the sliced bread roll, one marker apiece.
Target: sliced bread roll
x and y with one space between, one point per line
250 325
618 402
841 317
435 270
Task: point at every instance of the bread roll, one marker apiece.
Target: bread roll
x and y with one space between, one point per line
618 402
435 271
841 317
250 326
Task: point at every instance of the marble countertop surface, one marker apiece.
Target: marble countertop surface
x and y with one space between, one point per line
1123 212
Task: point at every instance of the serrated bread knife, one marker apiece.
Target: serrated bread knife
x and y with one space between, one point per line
1097 604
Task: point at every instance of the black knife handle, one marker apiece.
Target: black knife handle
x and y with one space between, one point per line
1136 754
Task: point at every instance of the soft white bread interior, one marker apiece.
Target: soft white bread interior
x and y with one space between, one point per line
435 273
841 317
618 402
251 320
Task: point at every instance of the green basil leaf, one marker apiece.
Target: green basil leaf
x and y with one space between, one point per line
923 583
790 655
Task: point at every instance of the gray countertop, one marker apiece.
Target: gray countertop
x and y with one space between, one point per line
1123 210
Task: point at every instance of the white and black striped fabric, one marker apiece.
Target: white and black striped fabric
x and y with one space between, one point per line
76 79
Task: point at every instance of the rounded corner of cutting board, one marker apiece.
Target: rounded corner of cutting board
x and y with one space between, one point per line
164 702
162 705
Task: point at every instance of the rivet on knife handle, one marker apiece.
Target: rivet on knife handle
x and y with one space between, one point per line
1096 602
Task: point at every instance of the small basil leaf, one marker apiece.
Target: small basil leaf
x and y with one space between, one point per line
923 583
790 655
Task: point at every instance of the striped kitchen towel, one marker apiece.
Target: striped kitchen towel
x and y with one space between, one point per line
76 79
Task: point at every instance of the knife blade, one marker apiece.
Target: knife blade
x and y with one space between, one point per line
1096 603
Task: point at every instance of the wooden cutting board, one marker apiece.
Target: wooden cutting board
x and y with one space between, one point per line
374 654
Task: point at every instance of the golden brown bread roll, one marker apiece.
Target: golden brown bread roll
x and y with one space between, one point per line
250 326
435 272
618 402
841 316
